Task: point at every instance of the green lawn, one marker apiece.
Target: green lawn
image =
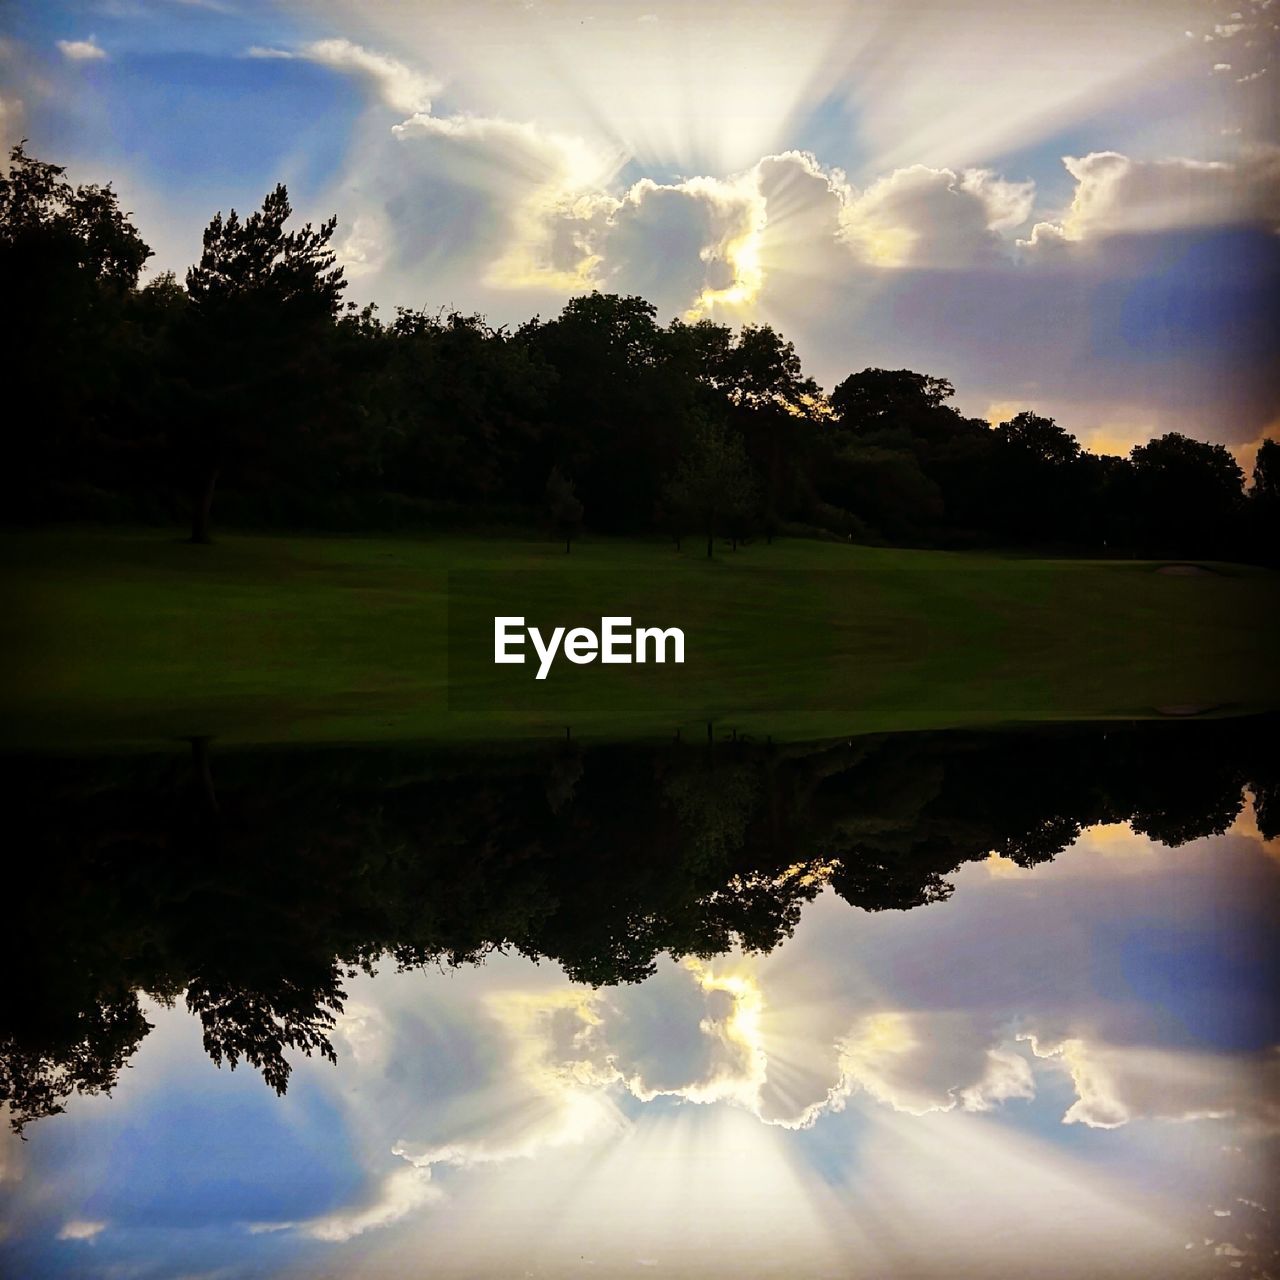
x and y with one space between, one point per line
114 638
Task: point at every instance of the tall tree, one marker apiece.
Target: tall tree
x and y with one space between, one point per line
264 302
1264 504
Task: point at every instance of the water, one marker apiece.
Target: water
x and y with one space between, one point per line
963 1004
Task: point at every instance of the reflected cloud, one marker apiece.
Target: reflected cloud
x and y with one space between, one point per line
398 86
1117 1085
1068 1056
578 1062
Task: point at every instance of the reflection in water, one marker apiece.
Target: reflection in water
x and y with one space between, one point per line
936 1004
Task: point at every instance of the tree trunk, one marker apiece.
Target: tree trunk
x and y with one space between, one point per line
203 508
710 543
568 542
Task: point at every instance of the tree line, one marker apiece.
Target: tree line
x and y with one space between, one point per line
251 391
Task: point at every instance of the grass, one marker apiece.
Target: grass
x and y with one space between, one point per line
113 638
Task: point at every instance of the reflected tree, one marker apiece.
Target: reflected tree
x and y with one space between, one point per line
252 885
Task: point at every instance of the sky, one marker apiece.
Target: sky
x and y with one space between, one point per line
1067 1070
1065 207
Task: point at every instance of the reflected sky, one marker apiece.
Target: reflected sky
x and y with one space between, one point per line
1064 1070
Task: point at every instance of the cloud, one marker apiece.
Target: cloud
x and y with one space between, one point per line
514 204
921 1063
923 217
82 50
398 86
1118 1084
688 246
12 115
361 1029
1116 195
79 1229
12 1152
397 1195
919 267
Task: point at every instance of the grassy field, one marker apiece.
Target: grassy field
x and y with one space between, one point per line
114 638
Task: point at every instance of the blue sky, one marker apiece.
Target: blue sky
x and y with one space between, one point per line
1065 207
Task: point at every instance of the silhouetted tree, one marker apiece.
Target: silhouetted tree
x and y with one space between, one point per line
619 404
1187 494
776 408
69 260
1040 439
884 397
1036 483
1264 504
264 302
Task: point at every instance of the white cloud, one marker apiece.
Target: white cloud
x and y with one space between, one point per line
688 246
508 216
1116 1085
923 217
80 1229
12 1152
1116 194
516 204
12 115
535 198
397 85
82 50
362 1030
397 1195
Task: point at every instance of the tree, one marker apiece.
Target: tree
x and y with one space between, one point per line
879 397
713 482
1037 486
776 408
1188 495
564 507
83 227
1266 472
264 302
1041 439
619 406
1264 504
69 261
885 489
